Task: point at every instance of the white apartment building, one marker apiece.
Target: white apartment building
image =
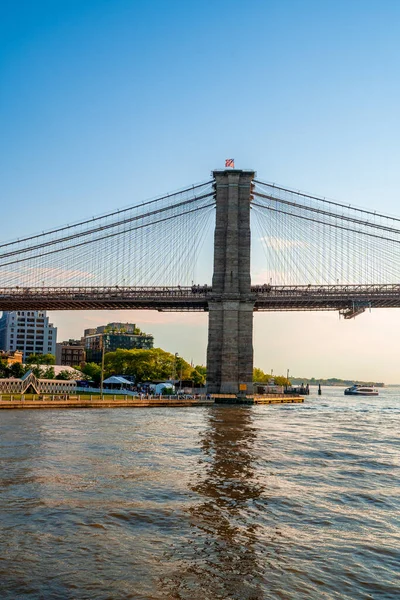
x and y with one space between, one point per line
28 331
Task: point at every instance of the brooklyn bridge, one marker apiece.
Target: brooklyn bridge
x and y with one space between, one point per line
318 254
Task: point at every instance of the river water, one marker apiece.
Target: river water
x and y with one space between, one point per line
289 502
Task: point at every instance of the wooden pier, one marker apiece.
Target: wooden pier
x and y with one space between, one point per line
96 401
257 399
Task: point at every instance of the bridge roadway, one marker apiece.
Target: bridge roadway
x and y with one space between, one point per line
350 300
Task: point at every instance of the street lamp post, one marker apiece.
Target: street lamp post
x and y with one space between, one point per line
175 366
102 367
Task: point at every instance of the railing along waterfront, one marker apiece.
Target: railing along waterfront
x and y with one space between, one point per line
73 399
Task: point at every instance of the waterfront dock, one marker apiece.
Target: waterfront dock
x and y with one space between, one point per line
96 401
257 399
280 400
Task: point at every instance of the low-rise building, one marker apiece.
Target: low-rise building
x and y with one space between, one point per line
29 384
112 328
71 353
98 343
11 357
90 331
117 328
111 337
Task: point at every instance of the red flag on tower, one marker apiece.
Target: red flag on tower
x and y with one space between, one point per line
230 162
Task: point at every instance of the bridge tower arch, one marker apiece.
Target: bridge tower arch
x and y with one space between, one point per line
230 330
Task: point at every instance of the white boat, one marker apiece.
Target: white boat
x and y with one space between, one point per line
361 390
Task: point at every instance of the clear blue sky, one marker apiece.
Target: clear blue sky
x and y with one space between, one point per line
107 103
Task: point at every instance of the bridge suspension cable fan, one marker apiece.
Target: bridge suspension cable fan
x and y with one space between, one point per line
150 244
311 240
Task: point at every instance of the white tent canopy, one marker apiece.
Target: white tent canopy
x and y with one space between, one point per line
118 380
159 387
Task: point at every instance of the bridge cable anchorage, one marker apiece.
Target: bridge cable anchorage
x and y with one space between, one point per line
310 240
155 245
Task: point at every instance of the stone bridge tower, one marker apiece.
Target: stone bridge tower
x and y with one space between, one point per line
230 329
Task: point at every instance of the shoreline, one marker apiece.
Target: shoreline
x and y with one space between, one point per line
88 402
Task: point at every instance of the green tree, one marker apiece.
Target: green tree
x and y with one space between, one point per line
259 376
48 359
49 373
32 359
201 369
197 378
17 370
37 371
92 372
4 369
65 375
183 369
146 365
281 380
41 359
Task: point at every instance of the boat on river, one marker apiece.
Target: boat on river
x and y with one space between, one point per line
361 390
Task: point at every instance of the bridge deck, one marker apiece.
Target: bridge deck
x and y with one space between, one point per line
351 298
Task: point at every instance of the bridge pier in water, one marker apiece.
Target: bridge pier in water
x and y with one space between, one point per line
230 330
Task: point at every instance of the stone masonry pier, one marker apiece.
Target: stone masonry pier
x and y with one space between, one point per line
230 332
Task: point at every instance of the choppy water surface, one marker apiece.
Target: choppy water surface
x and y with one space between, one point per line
288 502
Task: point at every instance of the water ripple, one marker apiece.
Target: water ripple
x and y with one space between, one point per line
296 502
